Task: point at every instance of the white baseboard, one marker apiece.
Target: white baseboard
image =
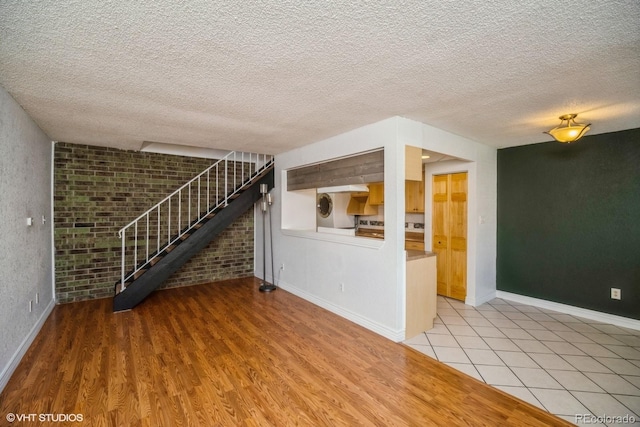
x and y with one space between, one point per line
24 346
393 335
474 302
598 316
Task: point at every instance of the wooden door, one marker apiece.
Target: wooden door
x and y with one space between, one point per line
449 232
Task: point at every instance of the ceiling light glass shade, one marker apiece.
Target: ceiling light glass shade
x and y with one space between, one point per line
568 130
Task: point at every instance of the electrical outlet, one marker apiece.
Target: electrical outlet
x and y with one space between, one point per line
615 293
30 306
37 297
341 287
282 267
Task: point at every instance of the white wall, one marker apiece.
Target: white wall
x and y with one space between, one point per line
480 162
373 273
25 253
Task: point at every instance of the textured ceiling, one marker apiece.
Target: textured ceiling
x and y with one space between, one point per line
273 75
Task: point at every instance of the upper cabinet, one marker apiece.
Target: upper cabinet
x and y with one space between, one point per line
414 196
413 184
359 205
376 193
412 163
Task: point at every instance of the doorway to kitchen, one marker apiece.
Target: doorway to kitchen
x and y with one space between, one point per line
449 231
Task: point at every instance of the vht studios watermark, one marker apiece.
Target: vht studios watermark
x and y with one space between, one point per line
605 419
52 418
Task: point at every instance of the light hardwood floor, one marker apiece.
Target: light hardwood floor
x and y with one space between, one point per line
225 354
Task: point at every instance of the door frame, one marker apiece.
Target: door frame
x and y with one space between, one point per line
447 167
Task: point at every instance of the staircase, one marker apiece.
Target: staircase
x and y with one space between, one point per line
165 237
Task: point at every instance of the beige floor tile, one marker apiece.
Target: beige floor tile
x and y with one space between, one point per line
602 338
614 384
498 375
586 364
551 361
478 321
503 323
624 351
488 332
483 357
602 404
462 330
619 366
631 402
593 349
573 337
544 335
631 340
451 355
452 320
521 393
472 342
561 363
532 346
530 325
501 344
424 349
516 359
418 339
516 315
556 326
516 333
437 340
575 381
559 401
563 347
536 377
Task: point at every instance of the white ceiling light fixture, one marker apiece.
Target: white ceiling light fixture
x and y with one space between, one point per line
568 130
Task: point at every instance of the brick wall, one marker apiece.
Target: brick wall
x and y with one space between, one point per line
98 190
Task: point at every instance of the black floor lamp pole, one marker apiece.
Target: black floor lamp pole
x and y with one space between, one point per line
264 287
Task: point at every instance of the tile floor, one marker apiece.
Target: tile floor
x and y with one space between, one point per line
582 370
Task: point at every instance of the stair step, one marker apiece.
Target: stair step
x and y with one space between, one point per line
138 274
166 264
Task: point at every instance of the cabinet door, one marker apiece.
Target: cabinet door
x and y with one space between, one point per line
414 196
418 246
412 163
376 193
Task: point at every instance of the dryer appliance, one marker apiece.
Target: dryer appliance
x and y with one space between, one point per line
331 211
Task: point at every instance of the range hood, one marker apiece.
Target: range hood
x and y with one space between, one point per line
353 188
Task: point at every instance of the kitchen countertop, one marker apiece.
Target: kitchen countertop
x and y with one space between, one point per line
370 232
379 234
413 255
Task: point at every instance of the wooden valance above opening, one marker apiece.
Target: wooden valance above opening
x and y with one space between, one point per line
358 169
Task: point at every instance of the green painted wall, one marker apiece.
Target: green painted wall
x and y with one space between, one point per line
569 222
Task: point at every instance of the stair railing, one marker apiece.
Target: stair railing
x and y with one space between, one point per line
150 234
